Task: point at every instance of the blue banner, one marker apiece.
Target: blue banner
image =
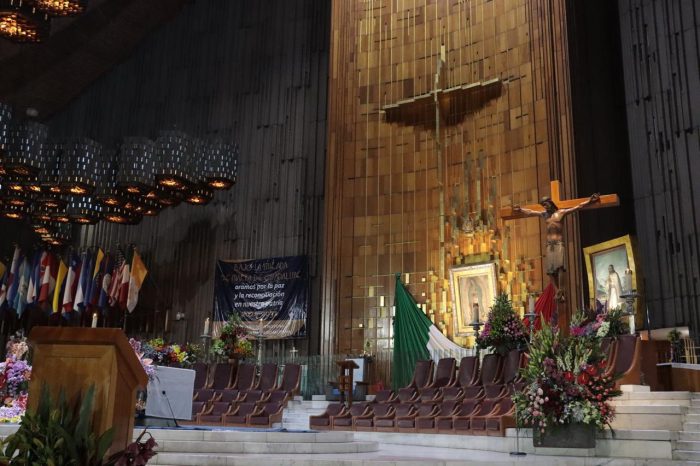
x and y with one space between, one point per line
271 296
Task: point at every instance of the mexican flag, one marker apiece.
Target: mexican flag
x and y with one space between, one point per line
415 338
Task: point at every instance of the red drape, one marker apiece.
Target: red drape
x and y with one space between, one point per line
545 306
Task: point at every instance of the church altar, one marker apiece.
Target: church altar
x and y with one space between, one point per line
170 388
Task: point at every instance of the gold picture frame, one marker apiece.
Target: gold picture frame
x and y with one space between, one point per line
472 283
617 253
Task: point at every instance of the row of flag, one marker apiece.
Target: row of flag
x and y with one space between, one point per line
89 280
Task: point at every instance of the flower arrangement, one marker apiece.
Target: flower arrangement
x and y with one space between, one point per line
504 330
163 354
674 338
146 363
565 380
232 342
15 373
591 324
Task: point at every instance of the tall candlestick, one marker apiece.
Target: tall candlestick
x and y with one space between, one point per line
475 308
94 320
627 281
206 327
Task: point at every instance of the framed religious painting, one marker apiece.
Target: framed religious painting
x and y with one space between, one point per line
473 287
611 272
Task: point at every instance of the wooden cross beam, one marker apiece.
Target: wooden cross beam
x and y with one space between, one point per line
606 200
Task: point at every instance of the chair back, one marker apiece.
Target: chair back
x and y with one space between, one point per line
268 377
333 409
404 409
423 373
447 407
220 407
626 344
245 377
491 369
468 406
200 374
271 408
291 378
383 396
245 409
357 409
468 371
445 372
511 366
487 405
425 408
384 409
222 376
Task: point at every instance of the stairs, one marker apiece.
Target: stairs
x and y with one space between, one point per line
687 446
296 414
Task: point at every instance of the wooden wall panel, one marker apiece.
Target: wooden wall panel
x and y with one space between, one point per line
660 50
397 200
255 73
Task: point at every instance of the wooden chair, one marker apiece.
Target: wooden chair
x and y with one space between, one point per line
467 376
198 407
214 414
290 385
201 371
239 415
344 420
463 423
265 416
407 423
366 422
445 424
385 396
422 377
628 360
509 376
323 421
428 423
498 415
444 377
387 423
268 377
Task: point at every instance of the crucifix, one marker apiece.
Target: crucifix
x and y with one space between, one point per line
553 209
442 106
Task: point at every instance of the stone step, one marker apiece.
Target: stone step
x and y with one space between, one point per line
695 402
689 436
177 446
694 418
694 410
691 426
686 455
687 445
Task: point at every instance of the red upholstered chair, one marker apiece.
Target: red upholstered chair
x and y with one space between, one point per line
366 422
500 415
266 415
214 414
323 421
221 377
228 395
467 376
477 422
387 423
445 424
198 407
422 377
427 423
245 378
239 415
205 395
462 424
344 421
444 377
253 396
291 382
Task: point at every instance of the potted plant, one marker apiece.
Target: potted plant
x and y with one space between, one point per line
232 343
504 330
567 395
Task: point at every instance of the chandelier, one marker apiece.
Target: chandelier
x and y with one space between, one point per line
61 7
54 184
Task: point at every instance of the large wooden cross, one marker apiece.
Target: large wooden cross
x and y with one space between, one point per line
606 200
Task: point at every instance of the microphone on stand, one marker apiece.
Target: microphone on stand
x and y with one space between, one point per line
517 451
172 413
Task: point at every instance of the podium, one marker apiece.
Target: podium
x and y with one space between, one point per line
74 358
345 379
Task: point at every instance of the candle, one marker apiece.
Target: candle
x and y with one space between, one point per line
94 320
407 279
627 281
381 301
371 291
531 305
206 327
475 308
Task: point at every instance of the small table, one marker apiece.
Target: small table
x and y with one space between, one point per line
170 393
345 379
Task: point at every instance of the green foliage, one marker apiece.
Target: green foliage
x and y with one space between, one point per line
59 435
618 324
503 330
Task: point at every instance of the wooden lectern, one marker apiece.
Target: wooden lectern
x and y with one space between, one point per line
345 379
74 358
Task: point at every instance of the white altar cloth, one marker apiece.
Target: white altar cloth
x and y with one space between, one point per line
173 385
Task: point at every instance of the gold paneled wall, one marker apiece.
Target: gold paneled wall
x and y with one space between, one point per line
414 186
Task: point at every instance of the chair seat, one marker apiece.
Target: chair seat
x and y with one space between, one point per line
210 418
384 423
406 423
235 419
367 422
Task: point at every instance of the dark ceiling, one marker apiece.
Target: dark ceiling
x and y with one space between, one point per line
48 75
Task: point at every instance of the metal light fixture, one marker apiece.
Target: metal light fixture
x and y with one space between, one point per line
48 178
136 164
119 215
199 196
220 164
78 167
5 117
50 202
15 212
24 151
61 7
83 210
173 151
21 21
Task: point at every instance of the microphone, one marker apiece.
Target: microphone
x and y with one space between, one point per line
172 413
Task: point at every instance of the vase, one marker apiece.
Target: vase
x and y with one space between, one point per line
575 435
